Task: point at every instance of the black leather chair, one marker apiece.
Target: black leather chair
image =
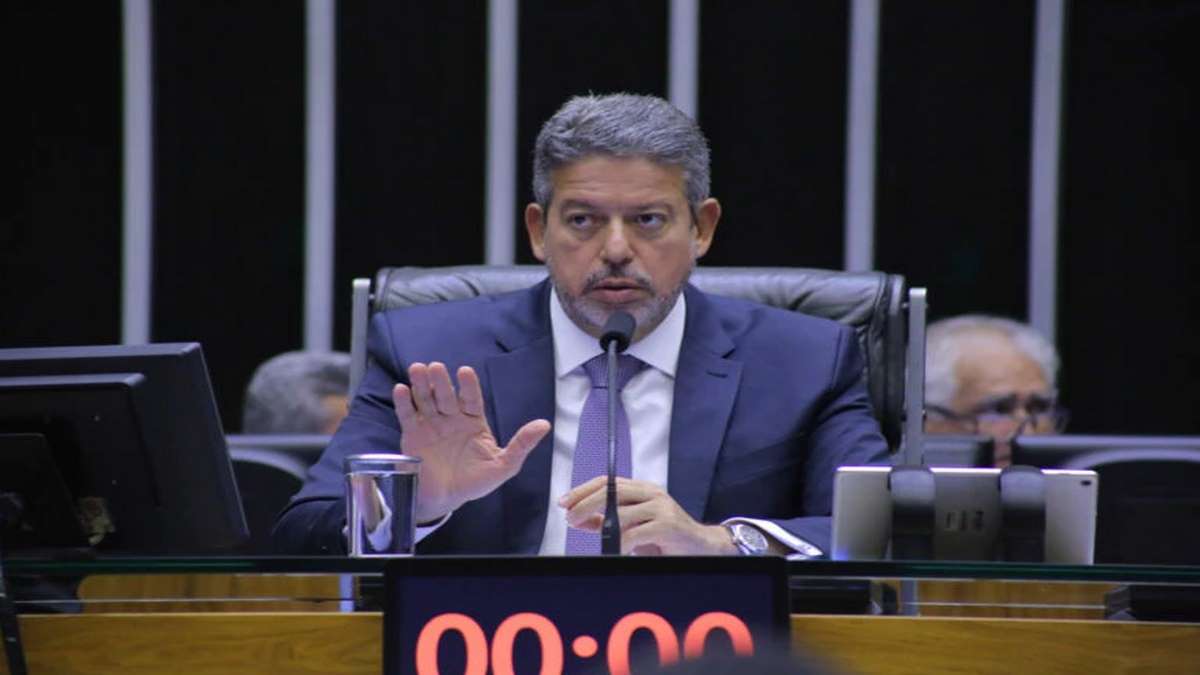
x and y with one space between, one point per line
269 470
875 304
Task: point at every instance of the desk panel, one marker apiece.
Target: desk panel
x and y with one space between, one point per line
317 642
117 593
971 646
203 644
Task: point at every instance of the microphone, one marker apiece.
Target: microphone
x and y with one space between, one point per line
614 338
618 328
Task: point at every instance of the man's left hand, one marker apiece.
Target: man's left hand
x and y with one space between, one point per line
652 523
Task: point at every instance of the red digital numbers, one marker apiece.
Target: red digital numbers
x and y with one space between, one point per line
472 634
506 635
697 634
622 632
501 653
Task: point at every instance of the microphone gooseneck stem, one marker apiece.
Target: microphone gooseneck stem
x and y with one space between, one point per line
610 532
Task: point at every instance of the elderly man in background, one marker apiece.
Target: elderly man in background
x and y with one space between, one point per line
297 393
991 376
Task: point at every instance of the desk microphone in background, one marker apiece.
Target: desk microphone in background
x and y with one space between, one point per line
616 336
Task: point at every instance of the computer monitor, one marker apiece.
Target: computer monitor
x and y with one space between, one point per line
957 450
1052 451
115 448
1149 492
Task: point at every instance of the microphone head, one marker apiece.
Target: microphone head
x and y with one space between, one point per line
618 328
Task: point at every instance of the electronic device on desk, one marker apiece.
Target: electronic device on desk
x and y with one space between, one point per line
1055 451
115 449
1149 497
962 515
958 450
555 614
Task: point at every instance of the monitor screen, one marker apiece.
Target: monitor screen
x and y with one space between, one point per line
1149 492
129 437
1053 451
957 450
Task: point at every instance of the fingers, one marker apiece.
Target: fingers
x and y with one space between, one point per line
673 532
523 442
444 396
651 521
582 491
592 523
588 499
470 394
591 495
403 401
630 516
422 390
647 549
432 392
643 538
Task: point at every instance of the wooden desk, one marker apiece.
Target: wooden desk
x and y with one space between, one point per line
159 593
1004 599
322 642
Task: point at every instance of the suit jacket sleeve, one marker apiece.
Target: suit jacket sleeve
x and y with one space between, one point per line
313 521
844 432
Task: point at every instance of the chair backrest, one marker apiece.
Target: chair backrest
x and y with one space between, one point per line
305 448
873 303
266 481
1149 504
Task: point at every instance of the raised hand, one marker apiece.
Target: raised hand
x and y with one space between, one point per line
460 458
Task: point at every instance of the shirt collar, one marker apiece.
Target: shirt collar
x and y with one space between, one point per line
573 347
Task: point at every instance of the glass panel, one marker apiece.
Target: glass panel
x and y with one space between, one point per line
333 584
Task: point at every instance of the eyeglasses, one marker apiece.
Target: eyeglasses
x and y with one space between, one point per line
1036 414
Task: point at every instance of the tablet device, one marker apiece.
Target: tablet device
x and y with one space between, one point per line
967 512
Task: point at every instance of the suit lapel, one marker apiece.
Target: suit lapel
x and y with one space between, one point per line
521 389
706 387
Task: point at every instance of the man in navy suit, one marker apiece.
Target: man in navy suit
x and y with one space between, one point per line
738 413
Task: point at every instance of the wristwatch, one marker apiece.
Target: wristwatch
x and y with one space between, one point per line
748 539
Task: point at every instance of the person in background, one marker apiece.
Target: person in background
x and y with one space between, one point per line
991 376
301 392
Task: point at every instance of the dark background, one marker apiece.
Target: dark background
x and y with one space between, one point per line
953 164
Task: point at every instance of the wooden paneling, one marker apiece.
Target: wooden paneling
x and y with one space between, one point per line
250 643
949 646
1026 600
203 644
114 593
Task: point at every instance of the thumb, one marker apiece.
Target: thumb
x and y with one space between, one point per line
522 443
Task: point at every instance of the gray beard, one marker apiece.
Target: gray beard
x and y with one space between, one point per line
591 317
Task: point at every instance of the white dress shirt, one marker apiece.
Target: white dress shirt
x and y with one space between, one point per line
647 398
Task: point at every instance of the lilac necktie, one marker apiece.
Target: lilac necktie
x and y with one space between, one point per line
591 449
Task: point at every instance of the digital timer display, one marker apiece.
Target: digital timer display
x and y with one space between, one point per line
556 615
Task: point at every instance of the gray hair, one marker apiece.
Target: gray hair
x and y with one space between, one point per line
284 395
946 340
621 125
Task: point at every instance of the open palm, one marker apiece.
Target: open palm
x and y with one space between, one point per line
460 457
